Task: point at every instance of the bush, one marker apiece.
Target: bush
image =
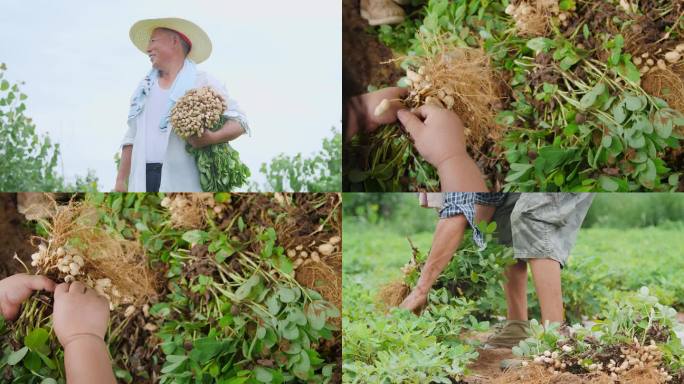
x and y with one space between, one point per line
28 161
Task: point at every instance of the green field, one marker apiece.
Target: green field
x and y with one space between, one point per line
606 265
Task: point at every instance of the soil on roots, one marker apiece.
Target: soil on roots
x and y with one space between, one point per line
363 54
15 237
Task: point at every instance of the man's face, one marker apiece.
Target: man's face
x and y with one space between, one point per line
160 48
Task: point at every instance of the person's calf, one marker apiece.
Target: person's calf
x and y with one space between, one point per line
546 274
515 289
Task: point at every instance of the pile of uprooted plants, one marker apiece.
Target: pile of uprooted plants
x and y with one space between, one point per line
203 287
554 95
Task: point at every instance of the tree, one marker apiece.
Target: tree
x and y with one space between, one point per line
320 173
28 161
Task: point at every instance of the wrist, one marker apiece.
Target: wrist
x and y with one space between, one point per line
423 289
82 339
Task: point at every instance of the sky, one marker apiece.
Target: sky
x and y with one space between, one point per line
281 60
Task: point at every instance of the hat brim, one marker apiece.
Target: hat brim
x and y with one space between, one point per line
141 32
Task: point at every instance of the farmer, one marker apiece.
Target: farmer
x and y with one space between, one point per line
437 133
79 317
379 12
542 228
153 157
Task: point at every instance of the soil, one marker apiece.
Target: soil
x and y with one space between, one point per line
486 367
363 54
15 236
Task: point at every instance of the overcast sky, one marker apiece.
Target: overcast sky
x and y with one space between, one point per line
281 60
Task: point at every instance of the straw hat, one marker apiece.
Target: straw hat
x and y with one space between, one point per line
200 43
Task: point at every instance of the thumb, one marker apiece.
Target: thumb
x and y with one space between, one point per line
410 121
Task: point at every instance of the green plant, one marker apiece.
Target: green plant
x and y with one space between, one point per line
220 168
574 115
320 173
472 273
631 327
28 161
228 307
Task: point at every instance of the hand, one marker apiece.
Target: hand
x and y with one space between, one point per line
363 107
15 289
439 137
208 138
415 301
120 186
79 312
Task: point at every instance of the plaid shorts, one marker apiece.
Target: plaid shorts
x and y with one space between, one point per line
463 203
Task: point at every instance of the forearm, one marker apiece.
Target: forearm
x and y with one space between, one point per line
448 236
231 130
86 361
461 174
125 165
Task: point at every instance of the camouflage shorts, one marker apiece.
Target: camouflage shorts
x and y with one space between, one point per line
541 225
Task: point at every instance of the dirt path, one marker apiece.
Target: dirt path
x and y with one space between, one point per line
486 367
14 236
362 54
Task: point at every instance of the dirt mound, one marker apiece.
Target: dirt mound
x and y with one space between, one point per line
363 54
15 237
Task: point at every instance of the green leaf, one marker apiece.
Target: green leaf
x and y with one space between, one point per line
246 288
48 380
636 141
634 103
4 85
566 5
642 124
606 141
608 184
263 375
196 236
175 360
506 118
286 295
619 112
540 44
357 176
222 197
36 340
590 97
16 356
301 368
662 123
316 315
206 348
673 179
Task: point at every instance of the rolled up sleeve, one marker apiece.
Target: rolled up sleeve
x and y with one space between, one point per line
233 111
463 203
129 137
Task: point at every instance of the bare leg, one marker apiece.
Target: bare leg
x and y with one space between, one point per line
515 289
547 281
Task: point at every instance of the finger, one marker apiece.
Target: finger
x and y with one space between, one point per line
394 106
398 92
410 121
77 287
426 110
37 283
61 289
